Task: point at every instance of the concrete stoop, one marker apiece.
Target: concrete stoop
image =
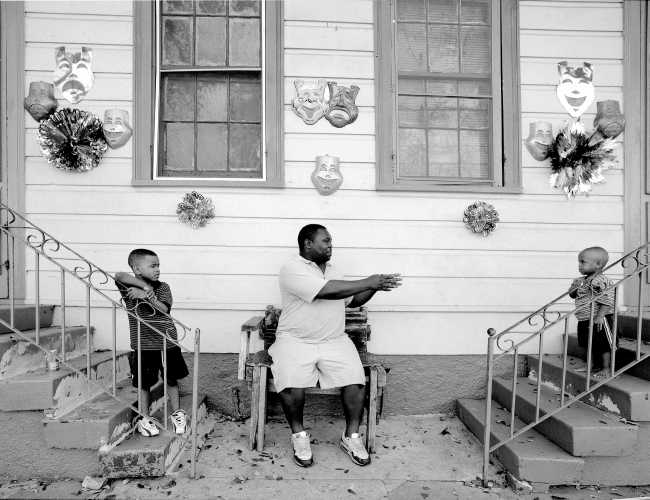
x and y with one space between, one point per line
140 456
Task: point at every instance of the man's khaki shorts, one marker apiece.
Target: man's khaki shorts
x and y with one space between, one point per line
333 363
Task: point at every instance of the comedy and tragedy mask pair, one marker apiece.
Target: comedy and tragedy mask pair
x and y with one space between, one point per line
311 103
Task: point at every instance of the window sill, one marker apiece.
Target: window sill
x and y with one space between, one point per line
205 183
450 188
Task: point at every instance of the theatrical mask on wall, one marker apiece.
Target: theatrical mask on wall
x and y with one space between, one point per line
310 104
575 91
40 103
342 109
73 76
539 140
327 177
116 128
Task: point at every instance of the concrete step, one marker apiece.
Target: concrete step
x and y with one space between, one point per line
529 457
627 326
25 317
625 354
579 429
140 456
19 356
625 396
100 421
61 390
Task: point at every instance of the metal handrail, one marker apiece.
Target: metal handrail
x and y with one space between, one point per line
44 245
640 259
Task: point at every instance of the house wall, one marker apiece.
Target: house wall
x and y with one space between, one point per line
456 283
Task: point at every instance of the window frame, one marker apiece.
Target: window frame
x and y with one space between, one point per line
145 93
506 131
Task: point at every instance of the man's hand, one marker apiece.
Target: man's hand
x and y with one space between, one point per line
384 282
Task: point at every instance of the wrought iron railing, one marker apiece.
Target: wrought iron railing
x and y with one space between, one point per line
632 265
19 230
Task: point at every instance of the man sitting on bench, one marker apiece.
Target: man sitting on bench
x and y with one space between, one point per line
311 345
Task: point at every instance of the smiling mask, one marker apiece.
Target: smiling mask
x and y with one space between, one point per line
73 76
116 128
539 139
327 177
310 104
342 109
575 91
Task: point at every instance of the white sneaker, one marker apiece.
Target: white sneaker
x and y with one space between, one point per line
179 421
301 449
354 447
146 427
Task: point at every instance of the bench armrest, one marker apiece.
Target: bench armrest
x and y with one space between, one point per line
255 323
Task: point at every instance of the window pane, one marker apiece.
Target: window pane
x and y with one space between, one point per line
244 151
443 11
443 48
475 11
179 146
212 146
475 154
443 153
473 87
442 113
412 152
244 46
410 10
245 99
442 87
411 47
177 41
212 98
210 41
411 111
410 86
474 113
177 7
211 7
178 98
246 8
477 49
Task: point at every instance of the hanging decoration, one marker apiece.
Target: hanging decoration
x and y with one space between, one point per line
40 102
117 130
195 210
327 177
73 76
310 103
609 120
481 218
578 158
72 139
575 90
342 110
539 139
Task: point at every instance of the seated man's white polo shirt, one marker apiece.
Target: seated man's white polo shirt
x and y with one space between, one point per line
305 318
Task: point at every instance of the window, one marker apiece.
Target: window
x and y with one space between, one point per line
208 100
447 95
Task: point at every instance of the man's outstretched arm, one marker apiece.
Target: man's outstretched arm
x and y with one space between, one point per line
362 290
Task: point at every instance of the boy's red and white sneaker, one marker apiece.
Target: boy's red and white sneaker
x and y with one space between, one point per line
179 421
146 427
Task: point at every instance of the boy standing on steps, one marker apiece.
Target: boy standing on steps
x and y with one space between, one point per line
152 299
591 262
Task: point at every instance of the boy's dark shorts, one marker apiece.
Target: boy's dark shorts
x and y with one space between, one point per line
599 342
152 367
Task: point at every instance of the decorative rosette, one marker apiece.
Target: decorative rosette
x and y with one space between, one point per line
72 139
481 218
195 210
578 158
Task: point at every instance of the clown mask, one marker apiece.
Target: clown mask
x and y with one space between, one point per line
539 139
575 91
342 110
73 76
310 104
327 177
116 128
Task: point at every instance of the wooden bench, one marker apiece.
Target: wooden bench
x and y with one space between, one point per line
255 369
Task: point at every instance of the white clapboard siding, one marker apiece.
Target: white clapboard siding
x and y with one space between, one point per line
96 7
353 234
328 36
337 64
364 124
543 71
106 58
79 29
341 11
579 45
569 17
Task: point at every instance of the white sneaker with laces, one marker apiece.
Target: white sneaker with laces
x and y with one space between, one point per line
146 427
301 449
179 421
354 447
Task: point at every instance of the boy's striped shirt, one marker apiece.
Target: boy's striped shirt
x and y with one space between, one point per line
585 294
